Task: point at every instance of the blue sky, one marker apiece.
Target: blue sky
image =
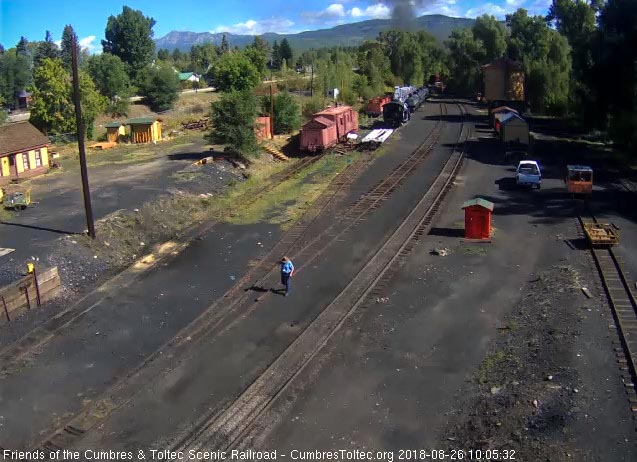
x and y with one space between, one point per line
32 18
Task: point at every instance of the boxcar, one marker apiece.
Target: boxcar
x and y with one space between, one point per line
344 117
318 134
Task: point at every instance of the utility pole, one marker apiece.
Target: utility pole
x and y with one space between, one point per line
272 110
80 140
312 83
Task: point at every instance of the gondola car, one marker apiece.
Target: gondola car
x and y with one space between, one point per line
395 113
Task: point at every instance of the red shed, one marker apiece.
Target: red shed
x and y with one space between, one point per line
345 118
318 134
477 219
375 105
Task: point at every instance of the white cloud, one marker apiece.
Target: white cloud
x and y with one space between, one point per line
333 12
446 7
515 3
356 12
252 27
88 44
491 9
378 11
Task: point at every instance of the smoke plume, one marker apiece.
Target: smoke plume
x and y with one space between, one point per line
404 12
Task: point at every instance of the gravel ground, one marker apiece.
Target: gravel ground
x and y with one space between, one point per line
533 394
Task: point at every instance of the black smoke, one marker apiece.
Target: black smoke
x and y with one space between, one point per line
404 12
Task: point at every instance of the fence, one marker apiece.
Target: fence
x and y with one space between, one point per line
27 293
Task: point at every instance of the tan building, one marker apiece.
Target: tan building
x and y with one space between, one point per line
144 129
503 80
23 152
115 131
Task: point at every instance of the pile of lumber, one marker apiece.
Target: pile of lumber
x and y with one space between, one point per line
200 124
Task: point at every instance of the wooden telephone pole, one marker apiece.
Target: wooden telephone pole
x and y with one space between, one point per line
90 224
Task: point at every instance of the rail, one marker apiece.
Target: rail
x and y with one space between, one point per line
219 431
624 308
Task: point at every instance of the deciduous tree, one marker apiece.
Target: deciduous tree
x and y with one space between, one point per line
129 36
159 85
235 72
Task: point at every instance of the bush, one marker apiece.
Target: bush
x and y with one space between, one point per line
312 107
160 87
233 121
287 114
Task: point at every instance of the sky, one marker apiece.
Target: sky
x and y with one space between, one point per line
32 18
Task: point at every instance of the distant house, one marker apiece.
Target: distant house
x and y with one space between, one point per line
189 77
144 129
503 80
23 152
115 131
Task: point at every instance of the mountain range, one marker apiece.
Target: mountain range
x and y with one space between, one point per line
439 26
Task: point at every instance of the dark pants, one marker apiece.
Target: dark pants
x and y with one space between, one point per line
285 280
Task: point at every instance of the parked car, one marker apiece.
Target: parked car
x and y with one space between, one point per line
528 173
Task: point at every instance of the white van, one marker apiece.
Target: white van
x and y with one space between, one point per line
528 174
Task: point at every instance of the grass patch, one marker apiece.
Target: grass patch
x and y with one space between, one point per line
493 363
287 202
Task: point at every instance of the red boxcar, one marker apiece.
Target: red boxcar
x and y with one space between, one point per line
318 134
345 118
375 105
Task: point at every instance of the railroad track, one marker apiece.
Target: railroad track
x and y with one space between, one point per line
623 304
223 430
232 305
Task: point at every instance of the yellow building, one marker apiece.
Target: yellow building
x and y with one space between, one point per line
23 152
144 129
503 80
115 131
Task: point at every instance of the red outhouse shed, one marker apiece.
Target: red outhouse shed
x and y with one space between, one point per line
477 219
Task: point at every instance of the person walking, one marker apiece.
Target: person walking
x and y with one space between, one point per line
287 270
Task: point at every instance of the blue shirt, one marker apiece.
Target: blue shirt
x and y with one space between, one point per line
287 267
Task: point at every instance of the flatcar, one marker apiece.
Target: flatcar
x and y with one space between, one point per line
395 113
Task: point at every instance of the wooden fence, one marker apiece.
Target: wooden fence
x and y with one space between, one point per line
23 295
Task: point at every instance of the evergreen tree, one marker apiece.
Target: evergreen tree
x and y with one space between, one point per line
285 52
233 121
225 46
46 49
66 52
276 56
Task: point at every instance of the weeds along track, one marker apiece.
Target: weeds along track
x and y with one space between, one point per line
621 298
222 430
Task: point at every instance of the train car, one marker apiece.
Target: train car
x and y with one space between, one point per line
401 93
318 134
395 113
375 106
344 117
579 179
